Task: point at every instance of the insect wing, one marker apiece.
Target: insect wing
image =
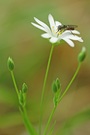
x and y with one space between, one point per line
71 27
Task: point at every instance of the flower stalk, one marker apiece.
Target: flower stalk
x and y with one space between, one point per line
73 78
54 36
21 99
61 97
49 120
55 33
44 85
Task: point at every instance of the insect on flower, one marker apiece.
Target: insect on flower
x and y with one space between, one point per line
56 31
66 27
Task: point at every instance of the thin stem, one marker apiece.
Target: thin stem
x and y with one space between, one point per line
14 82
73 78
43 89
23 110
52 128
52 113
27 123
49 120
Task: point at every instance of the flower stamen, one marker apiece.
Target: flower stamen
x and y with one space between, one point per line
53 30
59 32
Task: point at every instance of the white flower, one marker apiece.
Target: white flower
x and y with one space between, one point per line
53 34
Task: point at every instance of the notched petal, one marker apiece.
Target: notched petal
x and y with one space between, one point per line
42 24
74 37
38 26
51 33
39 22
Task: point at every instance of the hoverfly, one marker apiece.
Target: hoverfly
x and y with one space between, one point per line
66 27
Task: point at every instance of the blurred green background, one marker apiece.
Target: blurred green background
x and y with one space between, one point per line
21 41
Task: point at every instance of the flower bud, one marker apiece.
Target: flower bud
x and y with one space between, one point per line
82 54
10 64
58 83
21 98
54 87
24 88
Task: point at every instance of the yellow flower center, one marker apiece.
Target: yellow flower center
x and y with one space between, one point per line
60 32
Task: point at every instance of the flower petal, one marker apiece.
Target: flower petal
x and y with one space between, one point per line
51 21
80 40
42 24
65 34
69 42
69 34
57 23
53 39
52 33
74 37
75 32
38 26
47 29
46 35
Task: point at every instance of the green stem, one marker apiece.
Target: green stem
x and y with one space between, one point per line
52 113
52 128
73 78
43 89
49 120
14 82
27 123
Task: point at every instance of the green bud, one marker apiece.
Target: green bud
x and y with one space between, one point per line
24 88
54 87
10 64
58 83
21 98
82 54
